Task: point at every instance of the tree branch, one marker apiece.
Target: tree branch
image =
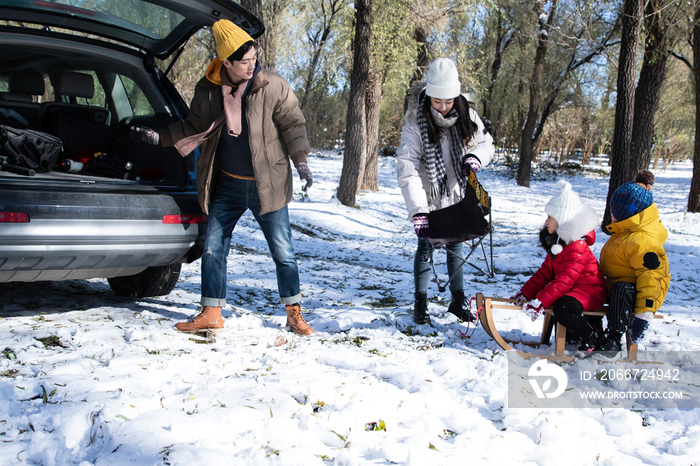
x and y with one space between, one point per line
682 58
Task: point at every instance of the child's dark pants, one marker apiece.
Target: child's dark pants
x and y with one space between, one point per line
568 311
621 306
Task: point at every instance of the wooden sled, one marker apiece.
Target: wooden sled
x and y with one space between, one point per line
486 305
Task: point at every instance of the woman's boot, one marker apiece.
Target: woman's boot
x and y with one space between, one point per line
420 311
460 307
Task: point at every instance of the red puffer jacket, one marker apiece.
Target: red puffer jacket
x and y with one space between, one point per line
573 272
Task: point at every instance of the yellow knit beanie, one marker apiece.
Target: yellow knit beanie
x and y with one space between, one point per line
228 38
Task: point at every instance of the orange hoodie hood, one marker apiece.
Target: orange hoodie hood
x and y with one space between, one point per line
213 73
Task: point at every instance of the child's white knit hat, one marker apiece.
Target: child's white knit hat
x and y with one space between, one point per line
565 205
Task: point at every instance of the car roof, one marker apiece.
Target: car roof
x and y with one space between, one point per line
158 27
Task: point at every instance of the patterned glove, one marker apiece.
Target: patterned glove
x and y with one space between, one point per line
420 225
639 327
533 309
473 164
143 134
305 174
519 298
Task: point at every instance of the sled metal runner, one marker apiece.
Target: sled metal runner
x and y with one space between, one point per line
486 305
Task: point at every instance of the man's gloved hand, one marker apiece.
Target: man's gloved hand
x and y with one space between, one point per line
519 298
533 309
421 226
144 134
640 325
305 174
473 164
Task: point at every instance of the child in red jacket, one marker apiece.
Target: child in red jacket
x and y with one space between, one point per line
569 280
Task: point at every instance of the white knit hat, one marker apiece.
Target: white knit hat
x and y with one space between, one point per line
443 80
565 205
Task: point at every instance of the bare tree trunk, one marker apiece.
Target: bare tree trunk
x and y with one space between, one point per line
272 12
520 109
318 42
502 42
526 141
255 7
651 78
421 61
373 105
621 162
694 196
354 159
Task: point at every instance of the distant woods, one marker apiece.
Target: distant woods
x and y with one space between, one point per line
554 82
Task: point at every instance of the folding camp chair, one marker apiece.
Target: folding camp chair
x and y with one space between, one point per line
465 222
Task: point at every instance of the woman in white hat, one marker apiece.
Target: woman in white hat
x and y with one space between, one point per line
442 139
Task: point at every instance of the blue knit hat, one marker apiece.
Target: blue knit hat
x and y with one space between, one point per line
632 198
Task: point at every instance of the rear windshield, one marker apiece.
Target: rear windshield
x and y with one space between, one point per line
138 16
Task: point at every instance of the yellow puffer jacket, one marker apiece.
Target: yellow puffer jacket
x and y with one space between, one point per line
635 254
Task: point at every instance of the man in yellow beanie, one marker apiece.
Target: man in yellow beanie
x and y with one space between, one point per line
246 121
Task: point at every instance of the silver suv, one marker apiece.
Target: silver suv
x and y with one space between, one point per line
85 71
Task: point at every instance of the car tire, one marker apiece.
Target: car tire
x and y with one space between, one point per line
154 281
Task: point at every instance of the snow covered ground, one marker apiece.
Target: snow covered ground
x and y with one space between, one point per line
90 378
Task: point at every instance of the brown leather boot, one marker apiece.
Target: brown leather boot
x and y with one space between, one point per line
295 321
209 317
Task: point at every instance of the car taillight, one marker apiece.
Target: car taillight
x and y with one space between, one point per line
14 217
184 219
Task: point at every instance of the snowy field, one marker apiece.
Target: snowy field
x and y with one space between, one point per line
90 378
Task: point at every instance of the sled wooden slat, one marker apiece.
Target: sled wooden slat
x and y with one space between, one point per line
501 306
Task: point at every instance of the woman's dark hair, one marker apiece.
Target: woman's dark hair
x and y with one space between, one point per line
242 50
467 128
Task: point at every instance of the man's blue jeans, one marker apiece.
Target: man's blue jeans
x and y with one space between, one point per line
230 201
421 266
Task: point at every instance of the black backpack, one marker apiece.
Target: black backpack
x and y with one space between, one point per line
28 148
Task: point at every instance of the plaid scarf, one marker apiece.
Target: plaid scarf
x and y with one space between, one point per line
433 159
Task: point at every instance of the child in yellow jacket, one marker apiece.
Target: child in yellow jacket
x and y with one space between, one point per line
634 262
